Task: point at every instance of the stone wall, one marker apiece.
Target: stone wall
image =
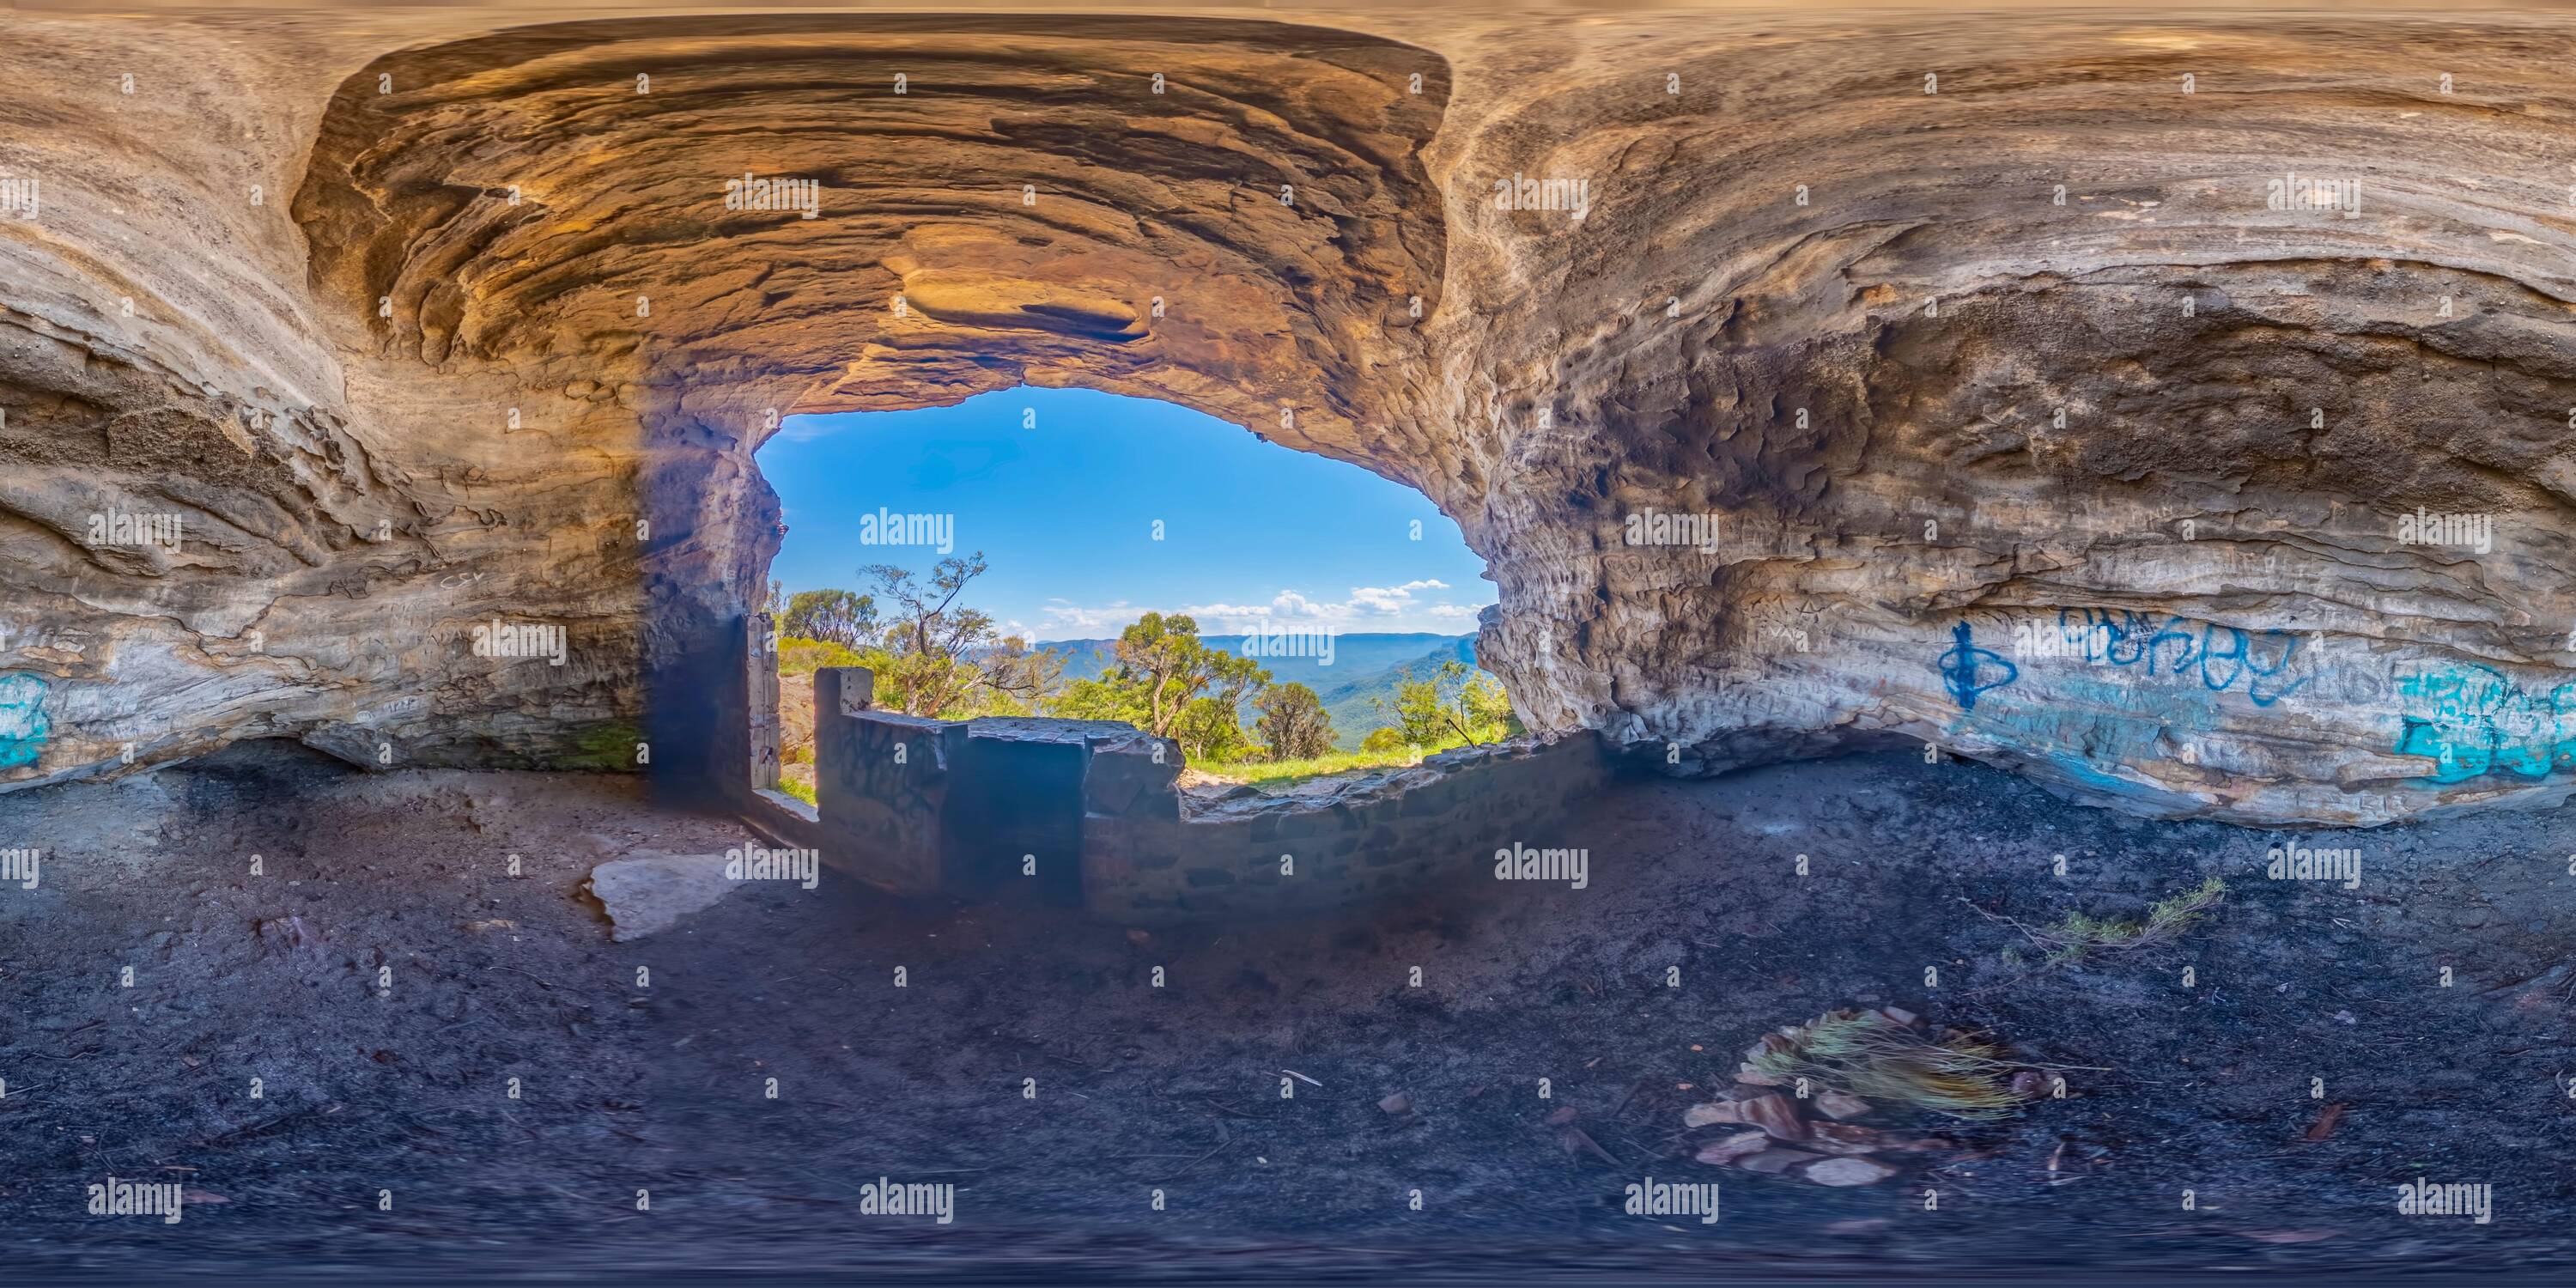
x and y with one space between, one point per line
881 782
1151 856
1091 810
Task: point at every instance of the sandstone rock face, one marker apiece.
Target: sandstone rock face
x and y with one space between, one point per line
2047 388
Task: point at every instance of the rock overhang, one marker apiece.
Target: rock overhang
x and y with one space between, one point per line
2034 427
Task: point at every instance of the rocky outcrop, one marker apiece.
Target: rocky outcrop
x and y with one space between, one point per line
2177 408
2043 413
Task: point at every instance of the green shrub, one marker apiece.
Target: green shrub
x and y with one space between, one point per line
800 656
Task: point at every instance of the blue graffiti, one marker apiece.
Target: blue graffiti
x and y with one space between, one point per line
1965 664
2221 654
23 727
2473 720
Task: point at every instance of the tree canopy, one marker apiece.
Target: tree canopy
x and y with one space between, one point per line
1454 704
1293 722
831 616
1164 671
938 658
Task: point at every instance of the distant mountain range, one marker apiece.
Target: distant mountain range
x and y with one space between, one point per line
1364 667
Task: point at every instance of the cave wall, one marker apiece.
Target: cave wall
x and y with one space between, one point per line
2035 430
2005 407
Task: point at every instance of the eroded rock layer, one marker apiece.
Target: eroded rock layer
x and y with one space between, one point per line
2076 412
2179 409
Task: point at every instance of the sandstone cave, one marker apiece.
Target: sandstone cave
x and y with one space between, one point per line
2029 647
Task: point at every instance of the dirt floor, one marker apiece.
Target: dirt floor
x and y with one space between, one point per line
384 1135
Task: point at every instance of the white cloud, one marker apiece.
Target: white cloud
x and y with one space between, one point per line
1369 608
1066 619
1202 612
1391 599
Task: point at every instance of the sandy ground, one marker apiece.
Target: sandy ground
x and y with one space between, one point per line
385 1135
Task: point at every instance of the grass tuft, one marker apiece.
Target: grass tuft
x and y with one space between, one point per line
1282 773
1878 1059
2069 940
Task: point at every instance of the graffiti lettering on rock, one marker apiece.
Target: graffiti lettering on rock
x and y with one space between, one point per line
2474 720
2220 655
1965 667
23 727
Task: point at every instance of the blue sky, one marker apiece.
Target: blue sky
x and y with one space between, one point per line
1065 514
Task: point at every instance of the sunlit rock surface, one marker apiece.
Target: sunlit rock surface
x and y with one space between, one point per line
2045 388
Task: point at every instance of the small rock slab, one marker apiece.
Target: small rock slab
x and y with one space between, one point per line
1773 1113
1842 1138
1777 1160
1849 1171
1767 1110
1733 1147
1836 1104
1710 1115
649 891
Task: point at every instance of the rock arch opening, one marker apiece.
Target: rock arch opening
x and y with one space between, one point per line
1057 565
1322 589
648 242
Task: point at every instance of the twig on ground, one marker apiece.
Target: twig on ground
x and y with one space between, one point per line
2077 934
1223 1139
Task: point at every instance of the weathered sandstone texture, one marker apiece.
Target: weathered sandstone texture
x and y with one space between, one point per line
2045 387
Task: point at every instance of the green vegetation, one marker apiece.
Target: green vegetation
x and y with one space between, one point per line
1293 724
932 657
1878 1059
1171 684
833 616
935 657
801 656
609 745
1389 752
1281 773
1455 705
938 658
2069 940
801 791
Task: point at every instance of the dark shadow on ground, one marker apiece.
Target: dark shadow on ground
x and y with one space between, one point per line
373 1096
